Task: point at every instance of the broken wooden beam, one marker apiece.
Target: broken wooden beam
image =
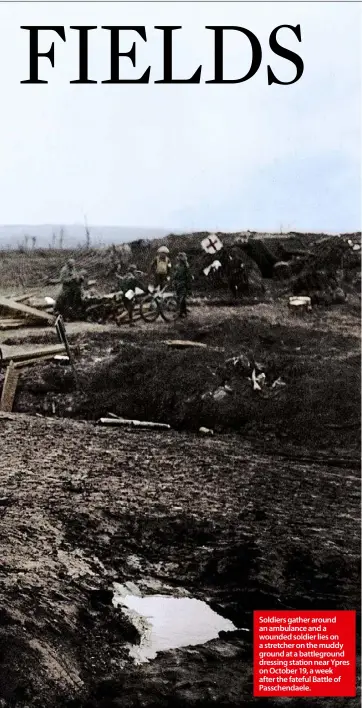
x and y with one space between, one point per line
9 388
133 423
6 324
11 306
23 364
50 349
21 298
180 343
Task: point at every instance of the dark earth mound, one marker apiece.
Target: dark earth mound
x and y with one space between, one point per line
314 400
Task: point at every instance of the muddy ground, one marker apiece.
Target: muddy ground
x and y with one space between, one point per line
85 506
262 515
311 364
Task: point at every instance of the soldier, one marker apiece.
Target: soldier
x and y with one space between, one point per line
182 282
68 271
128 284
161 266
70 299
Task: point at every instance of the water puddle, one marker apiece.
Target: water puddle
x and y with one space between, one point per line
168 622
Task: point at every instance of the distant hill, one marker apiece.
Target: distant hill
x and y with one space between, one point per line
50 235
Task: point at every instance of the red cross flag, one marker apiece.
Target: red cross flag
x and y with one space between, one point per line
211 244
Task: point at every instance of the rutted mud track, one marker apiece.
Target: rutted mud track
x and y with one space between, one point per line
84 506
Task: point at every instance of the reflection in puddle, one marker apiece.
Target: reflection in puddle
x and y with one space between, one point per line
168 622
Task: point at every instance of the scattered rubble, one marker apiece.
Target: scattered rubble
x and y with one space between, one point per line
25 316
221 393
258 380
206 431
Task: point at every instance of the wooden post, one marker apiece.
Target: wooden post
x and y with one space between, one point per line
59 325
9 388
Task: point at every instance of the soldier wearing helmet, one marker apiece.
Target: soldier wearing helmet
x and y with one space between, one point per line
161 267
182 282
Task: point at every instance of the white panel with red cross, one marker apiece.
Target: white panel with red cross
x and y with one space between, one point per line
211 244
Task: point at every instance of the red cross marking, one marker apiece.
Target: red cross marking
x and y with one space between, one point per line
212 243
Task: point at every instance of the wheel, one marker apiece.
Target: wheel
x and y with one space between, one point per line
169 308
149 309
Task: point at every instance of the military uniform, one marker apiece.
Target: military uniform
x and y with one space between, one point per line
70 299
129 282
161 266
182 283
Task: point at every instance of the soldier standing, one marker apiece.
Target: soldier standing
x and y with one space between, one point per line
161 266
70 299
182 283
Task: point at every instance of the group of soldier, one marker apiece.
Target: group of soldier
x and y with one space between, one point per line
161 269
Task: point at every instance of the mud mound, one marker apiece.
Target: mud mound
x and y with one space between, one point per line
309 395
329 252
333 264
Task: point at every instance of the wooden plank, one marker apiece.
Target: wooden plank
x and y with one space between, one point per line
11 325
33 354
17 324
21 298
181 343
9 388
133 423
11 320
35 360
8 305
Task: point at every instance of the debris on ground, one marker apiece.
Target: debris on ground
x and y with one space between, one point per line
278 382
30 315
184 343
240 361
40 352
258 380
205 431
300 303
214 266
133 423
221 393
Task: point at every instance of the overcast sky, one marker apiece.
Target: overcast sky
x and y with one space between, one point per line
232 157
